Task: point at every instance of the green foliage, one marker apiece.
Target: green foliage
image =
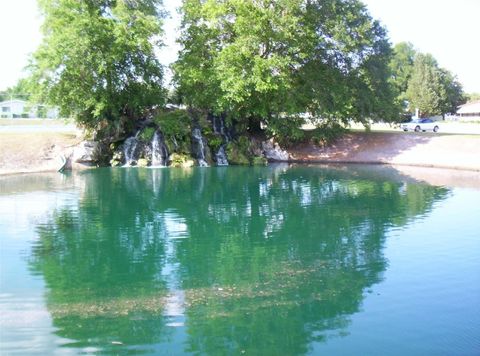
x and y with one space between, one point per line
147 134
181 160
401 66
425 88
422 84
471 97
176 128
286 131
239 151
258 61
453 90
214 141
259 161
97 61
21 90
326 133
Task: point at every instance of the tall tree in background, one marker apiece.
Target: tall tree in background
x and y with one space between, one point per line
21 90
425 88
401 66
271 61
431 89
454 92
422 84
97 60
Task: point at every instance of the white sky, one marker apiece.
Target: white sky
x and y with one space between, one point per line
449 30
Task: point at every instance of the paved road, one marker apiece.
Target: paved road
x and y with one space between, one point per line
445 127
68 128
460 128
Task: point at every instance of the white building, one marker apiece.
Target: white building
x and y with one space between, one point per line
21 109
12 108
469 111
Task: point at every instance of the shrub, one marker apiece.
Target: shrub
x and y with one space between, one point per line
147 134
286 131
326 133
176 127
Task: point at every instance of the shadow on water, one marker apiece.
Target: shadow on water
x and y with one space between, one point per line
263 260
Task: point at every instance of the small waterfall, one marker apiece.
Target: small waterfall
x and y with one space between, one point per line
129 151
159 150
218 123
221 156
199 149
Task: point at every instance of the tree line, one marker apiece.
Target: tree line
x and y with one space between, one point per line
257 63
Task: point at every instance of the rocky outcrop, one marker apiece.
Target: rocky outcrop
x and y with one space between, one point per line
86 152
273 152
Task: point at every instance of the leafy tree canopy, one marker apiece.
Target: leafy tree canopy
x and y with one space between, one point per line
97 60
21 90
401 66
472 97
266 61
422 84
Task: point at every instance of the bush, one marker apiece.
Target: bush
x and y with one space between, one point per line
239 151
181 160
286 131
214 141
326 133
176 127
147 134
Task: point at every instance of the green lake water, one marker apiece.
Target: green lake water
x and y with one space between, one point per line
278 260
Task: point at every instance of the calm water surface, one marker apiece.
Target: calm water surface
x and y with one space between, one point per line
274 260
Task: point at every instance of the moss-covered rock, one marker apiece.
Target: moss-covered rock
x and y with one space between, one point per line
181 160
214 141
235 155
146 135
115 163
176 127
259 161
142 162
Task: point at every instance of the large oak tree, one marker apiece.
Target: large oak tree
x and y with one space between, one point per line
272 61
97 60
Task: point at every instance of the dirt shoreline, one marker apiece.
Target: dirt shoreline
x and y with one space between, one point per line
34 152
459 152
40 152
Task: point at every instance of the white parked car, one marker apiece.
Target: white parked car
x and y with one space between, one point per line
418 125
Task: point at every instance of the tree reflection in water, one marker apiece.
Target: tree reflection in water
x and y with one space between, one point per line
263 260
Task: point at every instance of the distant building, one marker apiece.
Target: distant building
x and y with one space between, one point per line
469 111
12 108
21 109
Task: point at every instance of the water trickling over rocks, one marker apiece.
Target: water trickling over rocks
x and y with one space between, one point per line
159 150
221 156
131 151
198 147
174 138
219 128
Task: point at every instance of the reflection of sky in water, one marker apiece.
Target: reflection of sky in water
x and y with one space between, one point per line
19 211
24 319
175 226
